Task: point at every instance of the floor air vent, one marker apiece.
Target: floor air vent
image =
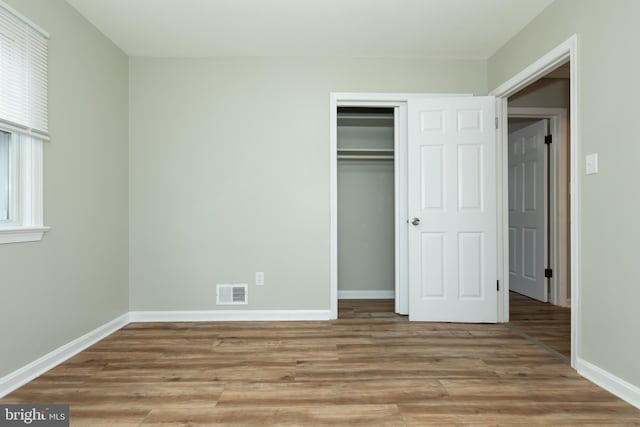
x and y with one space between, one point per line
232 294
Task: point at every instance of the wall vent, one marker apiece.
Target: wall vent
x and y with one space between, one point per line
232 294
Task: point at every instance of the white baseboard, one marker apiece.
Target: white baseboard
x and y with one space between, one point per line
624 390
366 294
228 315
21 376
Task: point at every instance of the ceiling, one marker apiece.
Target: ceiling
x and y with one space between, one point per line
469 29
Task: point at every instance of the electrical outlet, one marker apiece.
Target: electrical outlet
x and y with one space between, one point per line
259 278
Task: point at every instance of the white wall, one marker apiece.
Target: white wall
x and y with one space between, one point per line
229 171
608 69
54 291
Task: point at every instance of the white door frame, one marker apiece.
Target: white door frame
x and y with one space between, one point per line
559 175
566 51
398 101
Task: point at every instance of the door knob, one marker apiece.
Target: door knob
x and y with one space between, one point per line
415 221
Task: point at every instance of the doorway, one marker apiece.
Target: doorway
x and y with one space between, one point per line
397 104
539 211
553 61
542 273
539 290
366 209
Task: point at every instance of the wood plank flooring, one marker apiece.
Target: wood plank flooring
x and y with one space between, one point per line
369 368
547 323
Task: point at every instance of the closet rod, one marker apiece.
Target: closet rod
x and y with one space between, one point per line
365 151
365 116
362 157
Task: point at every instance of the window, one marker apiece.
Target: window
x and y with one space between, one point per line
6 178
23 126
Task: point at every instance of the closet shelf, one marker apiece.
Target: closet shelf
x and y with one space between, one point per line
365 153
364 116
365 120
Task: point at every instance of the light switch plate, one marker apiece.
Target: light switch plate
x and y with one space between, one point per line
591 163
259 278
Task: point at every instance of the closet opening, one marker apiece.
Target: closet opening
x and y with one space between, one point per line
366 211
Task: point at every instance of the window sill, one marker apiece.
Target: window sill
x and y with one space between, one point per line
22 234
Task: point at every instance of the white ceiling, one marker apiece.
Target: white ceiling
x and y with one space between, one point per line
362 28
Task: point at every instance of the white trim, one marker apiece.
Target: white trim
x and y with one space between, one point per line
539 68
16 128
22 234
613 384
333 203
502 214
559 175
228 315
372 99
566 51
401 206
23 375
366 295
27 193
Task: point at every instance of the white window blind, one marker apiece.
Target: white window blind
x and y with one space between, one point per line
23 74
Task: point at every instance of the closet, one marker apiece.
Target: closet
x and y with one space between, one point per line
365 178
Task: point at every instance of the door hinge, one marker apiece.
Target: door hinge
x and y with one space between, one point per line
548 273
498 285
548 139
496 123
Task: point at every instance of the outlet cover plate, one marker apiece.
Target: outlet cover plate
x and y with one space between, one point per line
591 163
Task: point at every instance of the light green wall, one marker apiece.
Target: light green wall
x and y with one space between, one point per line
75 280
608 69
229 166
366 239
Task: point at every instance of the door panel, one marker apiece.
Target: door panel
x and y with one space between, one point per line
470 184
452 192
432 182
527 207
432 281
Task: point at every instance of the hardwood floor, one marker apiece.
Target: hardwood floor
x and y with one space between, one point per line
546 323
363 309
369 368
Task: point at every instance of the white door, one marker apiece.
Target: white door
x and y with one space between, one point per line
527 211
452 209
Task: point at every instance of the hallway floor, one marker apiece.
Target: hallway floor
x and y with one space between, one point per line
547 323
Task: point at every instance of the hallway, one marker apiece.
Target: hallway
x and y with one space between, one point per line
547 323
